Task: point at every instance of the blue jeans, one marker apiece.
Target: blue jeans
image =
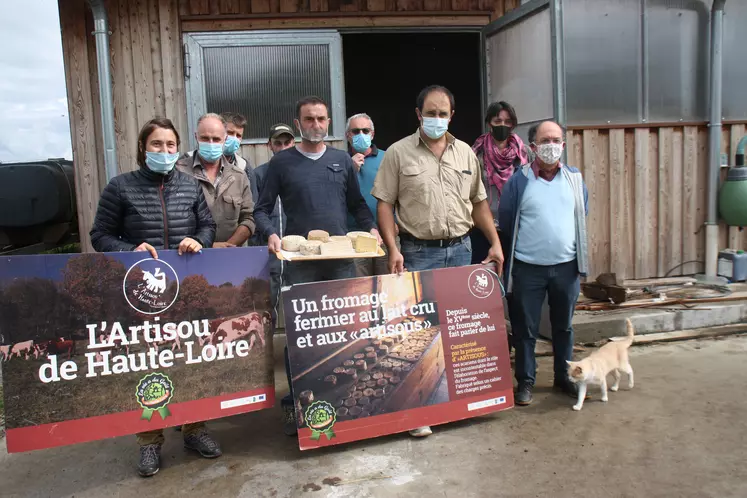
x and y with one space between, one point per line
419 257
530 285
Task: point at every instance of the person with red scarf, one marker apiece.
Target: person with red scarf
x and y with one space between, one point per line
500 152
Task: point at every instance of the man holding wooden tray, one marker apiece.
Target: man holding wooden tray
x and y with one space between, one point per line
318 186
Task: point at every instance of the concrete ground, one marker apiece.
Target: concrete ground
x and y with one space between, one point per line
680 432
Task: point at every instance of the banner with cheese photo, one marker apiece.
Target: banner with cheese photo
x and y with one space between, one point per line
380 355
101 345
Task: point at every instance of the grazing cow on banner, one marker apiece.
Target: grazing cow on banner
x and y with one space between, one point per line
5 353
58 347
26 347
114 347
249 325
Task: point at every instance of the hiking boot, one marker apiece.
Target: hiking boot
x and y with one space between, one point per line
290 426
523 394
203 443
567 387
150 460
421 431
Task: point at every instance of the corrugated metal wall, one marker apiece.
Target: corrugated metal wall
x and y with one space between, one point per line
647 197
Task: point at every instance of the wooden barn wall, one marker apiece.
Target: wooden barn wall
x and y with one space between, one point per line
211 15
647 197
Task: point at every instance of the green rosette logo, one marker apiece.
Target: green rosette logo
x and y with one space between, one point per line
320 417
154 392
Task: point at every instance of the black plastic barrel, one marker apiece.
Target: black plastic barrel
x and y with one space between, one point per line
36 193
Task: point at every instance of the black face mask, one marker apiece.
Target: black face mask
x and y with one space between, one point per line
500 133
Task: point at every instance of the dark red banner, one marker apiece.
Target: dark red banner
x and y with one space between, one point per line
101 345
381 355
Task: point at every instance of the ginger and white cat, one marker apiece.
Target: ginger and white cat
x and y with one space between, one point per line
610 358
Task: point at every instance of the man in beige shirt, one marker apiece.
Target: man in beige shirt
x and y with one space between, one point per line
225 185
435 183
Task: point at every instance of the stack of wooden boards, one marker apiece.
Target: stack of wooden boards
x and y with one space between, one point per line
321 245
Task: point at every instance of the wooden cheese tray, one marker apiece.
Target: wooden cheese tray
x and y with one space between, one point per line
297 256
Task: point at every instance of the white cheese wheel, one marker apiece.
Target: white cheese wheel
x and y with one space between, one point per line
339 238
292 243
311 247
366 243
319 235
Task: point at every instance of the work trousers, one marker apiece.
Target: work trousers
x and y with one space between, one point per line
156 436
531 283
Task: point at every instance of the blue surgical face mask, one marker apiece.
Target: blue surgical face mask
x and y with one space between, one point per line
160 162
231 147
361 142
435 128
210 152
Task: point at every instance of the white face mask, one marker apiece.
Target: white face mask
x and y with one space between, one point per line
549 153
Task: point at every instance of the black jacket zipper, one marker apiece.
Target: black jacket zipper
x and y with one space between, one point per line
165 217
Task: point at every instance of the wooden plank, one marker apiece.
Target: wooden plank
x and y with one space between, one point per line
645 250
460 5
376 5
596 175
352 5
274 6
199 7
319 5
95 101
510 5
690 334
258 7
184 8
724 230
702 159
288 6
80 107
670 201
691 209
229 6
142 62
621 202
499 9
172 64
126 123
245 6
410 5
431 5
298 22
159 106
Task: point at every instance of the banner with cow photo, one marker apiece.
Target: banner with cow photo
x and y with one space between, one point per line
380 355
100 345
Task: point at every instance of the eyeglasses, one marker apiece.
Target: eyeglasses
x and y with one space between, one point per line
356 131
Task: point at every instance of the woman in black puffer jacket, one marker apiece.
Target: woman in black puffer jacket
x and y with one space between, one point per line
155 207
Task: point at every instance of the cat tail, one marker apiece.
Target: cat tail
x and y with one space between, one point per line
631 331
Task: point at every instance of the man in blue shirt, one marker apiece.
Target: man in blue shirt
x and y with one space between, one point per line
366 159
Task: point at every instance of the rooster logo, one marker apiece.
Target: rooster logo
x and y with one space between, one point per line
156 281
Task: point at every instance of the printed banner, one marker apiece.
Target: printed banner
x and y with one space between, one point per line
380 355
100 345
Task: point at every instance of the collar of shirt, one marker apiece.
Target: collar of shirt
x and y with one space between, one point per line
199 169
374 151
547 175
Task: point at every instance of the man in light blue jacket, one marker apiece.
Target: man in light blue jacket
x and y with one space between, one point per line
542 216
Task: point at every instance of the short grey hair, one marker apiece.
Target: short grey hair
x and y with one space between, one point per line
356 116
212 115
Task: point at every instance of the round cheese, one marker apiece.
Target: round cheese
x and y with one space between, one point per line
339 238
292 243
311 247
319 235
